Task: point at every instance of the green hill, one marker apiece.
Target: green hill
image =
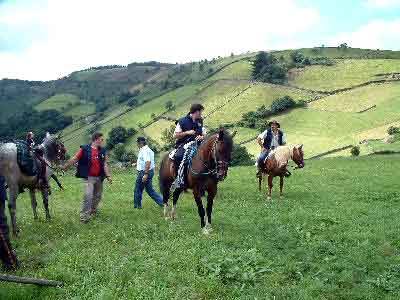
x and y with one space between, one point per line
352 95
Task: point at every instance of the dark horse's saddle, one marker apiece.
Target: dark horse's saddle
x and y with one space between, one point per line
26 159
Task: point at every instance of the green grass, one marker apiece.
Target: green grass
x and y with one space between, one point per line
59 102
333 236
359 99
345 73
238 70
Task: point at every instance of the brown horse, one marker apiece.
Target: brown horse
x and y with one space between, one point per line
276 165
208 167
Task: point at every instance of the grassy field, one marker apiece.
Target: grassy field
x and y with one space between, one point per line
345 73
359 99
59 102
333 236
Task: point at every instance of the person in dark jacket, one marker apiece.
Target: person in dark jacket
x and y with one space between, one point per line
268 140
93 169
188 129
7 255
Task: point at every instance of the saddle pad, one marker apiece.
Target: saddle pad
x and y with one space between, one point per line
171 155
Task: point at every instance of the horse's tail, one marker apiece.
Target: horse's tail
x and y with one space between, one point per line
161 172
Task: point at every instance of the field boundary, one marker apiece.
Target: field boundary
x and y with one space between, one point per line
330 152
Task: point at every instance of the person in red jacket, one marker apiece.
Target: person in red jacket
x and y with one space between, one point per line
93 169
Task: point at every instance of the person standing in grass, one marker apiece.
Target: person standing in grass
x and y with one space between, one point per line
145 172
93 169
7 254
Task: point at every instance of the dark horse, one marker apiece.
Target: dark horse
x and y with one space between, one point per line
276 165
209 166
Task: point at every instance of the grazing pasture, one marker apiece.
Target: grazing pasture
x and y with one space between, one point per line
333 236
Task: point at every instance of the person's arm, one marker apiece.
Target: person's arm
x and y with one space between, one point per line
283 139
260 139
146 171
107 170
73 160
178 133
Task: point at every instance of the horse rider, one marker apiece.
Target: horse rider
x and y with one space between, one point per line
268 140
188 129
39 154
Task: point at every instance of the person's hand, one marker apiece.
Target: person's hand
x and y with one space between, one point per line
191 132
145 176
134 164
199 138
109 179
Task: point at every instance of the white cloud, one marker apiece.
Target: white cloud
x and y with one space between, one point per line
382 3
377 34
79 34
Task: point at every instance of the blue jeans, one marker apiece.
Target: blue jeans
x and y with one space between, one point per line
148 185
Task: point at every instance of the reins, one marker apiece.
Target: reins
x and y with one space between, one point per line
212 171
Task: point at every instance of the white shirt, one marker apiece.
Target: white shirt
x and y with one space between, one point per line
145 155
275 138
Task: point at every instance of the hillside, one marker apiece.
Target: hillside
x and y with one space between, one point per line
333 236
352 95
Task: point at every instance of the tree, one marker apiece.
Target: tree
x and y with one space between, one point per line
240 156
117 135
355 151
393 130
297 57
167 137
268 69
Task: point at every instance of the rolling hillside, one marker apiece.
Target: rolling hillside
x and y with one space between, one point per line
355 97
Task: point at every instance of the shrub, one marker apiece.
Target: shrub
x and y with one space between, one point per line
393 130
167 137
119 151
240 156
355 151
117 135
169 105
133 102
282 104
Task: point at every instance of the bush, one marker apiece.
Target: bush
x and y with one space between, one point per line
240 156
393 130
355 151
167 137
117 135
169 105
133 102
119 151
267 68
282 104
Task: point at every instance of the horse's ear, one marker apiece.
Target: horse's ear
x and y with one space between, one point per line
301 146
234 133
221 134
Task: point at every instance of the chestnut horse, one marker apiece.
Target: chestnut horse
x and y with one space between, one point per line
276 165
208 167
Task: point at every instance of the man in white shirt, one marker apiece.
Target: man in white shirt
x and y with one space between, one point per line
269 140
145 167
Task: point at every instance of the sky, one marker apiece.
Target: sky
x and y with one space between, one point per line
49 39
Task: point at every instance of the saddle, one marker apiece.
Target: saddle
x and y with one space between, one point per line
26 159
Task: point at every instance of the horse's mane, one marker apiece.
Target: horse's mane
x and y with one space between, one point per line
227 138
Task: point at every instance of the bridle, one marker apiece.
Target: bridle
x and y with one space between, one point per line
218 164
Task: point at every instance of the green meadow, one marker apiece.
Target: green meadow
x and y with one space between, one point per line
333 236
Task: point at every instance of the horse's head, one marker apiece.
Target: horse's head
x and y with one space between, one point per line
54 148
222 153
298 156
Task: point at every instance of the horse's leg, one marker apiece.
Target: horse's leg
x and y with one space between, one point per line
175 197
281 186
45 196
33 203
260 181
200 207
270 185
211 192
12 207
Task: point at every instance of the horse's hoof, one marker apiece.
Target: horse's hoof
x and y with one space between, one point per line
269 198
205 231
